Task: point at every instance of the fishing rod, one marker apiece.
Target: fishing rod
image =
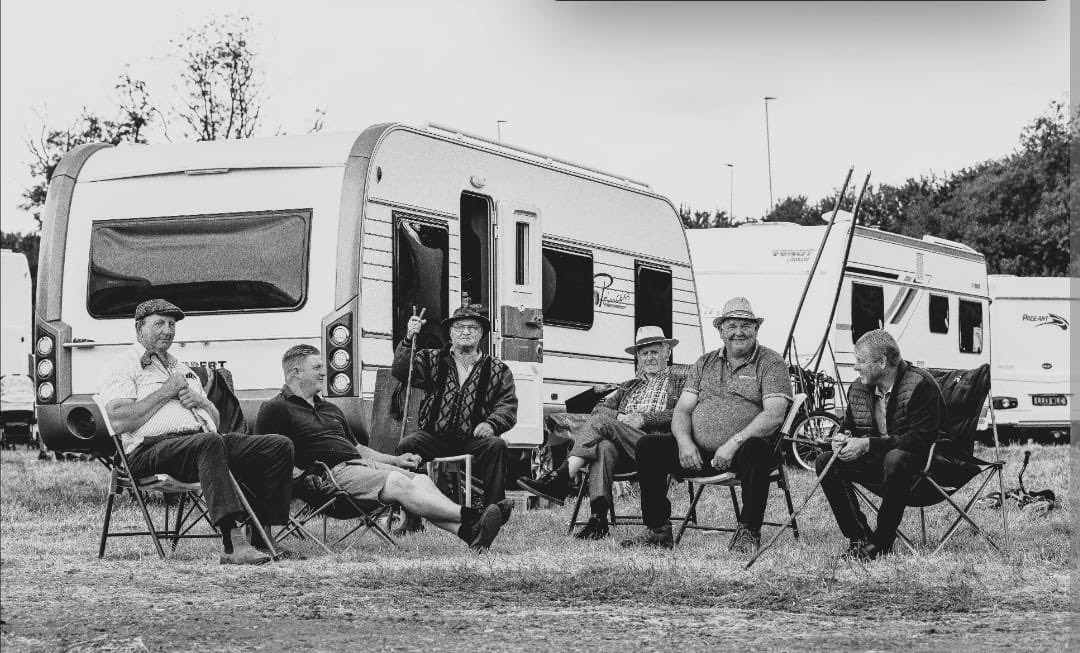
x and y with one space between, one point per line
816 359
813 267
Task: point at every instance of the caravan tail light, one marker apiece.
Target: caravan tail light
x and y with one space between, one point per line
1005 403
339 358
44 368
46 392
45 346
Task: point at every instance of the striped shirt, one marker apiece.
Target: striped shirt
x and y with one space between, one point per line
650 396
125 378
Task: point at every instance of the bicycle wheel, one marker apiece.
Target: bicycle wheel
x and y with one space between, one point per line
819 427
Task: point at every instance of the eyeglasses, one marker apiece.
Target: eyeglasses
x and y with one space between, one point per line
461 328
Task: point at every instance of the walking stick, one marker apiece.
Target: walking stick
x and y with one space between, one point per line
780 531
408 382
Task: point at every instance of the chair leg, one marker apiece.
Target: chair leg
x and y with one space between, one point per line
870 504
735 504
179 519
255 523
786 487
105 525
964 515
691 511
922 523
149 522
584 474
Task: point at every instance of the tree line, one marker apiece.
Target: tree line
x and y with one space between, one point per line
1014 210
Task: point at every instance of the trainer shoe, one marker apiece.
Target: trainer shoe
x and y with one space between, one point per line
596 529
745 540
660 537
245 555
506 508
486 528
552 486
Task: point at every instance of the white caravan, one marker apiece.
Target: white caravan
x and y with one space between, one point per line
929 293
15 313
332 240
1030 363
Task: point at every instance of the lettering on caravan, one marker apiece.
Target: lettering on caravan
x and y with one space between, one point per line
210 365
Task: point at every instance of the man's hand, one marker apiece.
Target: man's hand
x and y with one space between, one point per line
483 430
633 420
839 439
722 458
855 448
689 456
414 326
175 384
190 399
408 460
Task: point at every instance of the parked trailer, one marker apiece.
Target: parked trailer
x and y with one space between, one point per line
930 294
1030 368
331 240
16 319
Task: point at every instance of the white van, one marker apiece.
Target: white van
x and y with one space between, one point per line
1030 369
930 294
332 239
15 313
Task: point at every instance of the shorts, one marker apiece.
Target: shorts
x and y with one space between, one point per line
364 480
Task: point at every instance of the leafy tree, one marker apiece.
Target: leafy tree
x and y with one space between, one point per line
794 209
220 81
692 219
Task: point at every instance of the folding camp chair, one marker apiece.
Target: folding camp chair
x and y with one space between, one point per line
187 516
778 475
323 497
950 464
583 490
462 484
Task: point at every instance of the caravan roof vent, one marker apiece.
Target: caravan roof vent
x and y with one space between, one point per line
934 240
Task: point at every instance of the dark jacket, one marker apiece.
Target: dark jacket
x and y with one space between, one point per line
656 421
499 400
914 417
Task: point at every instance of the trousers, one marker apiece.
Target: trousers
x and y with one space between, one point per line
492 458
609 446
889 474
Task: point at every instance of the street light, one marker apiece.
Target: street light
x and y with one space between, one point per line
498 128
768 147
731 191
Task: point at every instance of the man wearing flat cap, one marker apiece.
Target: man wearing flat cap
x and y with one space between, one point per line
168 426
728 418
470 400
606 440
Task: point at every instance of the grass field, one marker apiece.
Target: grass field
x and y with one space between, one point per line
535 590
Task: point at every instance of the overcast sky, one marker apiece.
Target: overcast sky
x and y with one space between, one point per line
667 93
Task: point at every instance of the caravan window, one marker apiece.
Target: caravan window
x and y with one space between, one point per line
652 297
971 327
421 277
867 309
568 291
939 314
205 263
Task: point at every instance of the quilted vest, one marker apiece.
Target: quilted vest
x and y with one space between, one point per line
860 401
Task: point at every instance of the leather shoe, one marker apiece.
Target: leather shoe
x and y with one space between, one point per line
596 529
870 551
551 486
245 555
745 541
486 528
660 537
506 508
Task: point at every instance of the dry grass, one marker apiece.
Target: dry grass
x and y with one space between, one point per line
536 589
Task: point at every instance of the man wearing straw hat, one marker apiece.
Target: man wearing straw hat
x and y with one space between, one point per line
607 438
728 417
470 399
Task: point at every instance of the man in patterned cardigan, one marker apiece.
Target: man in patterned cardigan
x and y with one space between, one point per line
470 400
607 438
895 411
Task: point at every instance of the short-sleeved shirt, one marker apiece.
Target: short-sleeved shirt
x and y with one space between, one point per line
730 398
319 430
132 375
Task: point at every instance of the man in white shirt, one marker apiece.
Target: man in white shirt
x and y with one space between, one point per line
167 425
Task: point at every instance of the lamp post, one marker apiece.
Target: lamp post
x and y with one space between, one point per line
498 129
768 148
731 191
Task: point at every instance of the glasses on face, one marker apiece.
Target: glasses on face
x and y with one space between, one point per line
462 328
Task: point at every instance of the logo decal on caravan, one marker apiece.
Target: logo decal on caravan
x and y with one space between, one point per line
1048 319
603 299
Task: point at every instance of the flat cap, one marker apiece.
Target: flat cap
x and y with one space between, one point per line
158 307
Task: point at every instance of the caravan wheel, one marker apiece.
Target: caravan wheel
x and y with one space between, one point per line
819 427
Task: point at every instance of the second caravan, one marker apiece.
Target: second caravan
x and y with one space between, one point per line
929 293
332 240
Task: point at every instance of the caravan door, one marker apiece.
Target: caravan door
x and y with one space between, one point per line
518 323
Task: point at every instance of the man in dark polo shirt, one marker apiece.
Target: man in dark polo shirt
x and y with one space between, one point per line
728 417
320 432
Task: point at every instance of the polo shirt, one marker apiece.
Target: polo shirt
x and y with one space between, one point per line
730 397
125 377
319 430
881 404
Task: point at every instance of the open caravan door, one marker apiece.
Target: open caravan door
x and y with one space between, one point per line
518 328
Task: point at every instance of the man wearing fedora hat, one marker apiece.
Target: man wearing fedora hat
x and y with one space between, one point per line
728 417
168 425
607 438
470 399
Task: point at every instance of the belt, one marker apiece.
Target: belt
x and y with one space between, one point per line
154 439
